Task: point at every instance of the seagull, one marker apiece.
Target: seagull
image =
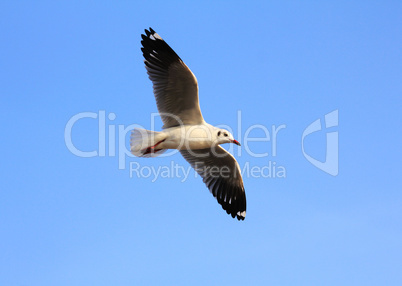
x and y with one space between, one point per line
176 92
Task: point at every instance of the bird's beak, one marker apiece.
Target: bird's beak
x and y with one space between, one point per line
236 142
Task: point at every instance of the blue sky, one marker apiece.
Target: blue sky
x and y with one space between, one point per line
68 220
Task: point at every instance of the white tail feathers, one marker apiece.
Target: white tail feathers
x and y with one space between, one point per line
143 141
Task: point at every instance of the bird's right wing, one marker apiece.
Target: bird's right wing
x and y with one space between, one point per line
221 173
175 86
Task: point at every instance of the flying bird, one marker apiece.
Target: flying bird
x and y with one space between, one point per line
176 92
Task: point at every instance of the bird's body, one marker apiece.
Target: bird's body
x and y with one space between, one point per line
191 137
176 93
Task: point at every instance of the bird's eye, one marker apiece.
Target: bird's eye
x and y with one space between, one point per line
226 134
219 133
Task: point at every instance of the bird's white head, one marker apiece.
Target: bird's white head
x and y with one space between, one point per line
224 136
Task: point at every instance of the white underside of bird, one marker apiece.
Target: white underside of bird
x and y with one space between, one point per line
186 137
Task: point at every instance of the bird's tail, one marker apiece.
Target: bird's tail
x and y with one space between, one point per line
144 143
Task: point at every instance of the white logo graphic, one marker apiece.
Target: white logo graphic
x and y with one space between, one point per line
330 165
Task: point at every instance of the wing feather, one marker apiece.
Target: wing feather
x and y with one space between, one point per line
221 174
175 86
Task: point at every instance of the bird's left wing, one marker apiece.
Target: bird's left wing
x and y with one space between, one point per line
221 173
175 86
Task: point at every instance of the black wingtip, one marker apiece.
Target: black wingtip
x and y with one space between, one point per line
237 207
240 217
234 211
156 51
149 32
